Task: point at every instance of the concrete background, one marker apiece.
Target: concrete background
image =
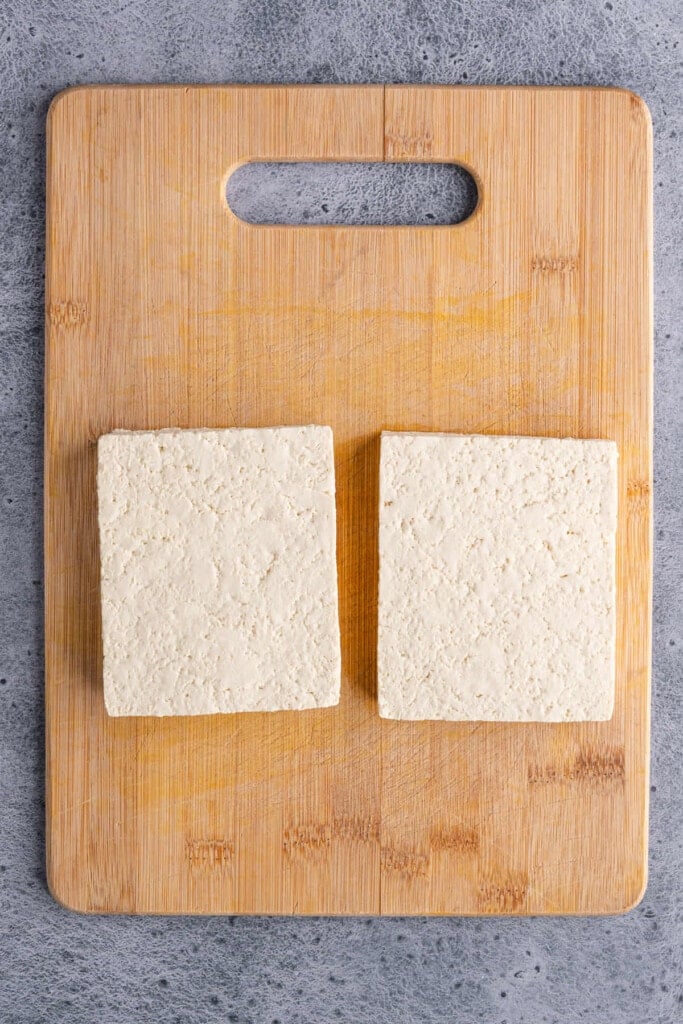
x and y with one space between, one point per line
56 966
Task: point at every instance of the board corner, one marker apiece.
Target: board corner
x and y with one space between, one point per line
62 894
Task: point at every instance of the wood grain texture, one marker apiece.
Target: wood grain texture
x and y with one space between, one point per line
163 309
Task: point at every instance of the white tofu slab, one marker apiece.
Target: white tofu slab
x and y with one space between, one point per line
497 578
218 570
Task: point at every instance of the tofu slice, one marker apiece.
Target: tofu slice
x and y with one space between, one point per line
497 578
218 570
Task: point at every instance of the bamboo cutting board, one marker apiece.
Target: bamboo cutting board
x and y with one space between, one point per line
163 309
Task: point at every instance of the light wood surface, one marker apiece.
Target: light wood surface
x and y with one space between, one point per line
163 309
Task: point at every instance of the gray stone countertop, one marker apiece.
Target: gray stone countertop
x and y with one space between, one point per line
59 966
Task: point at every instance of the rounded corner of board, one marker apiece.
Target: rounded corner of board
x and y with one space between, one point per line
66 899
63 98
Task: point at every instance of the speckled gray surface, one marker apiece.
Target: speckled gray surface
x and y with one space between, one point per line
351 193
57 966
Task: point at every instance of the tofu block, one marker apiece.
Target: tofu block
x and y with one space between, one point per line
497 578
218 570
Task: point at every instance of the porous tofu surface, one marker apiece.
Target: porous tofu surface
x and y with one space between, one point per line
497 578
218 570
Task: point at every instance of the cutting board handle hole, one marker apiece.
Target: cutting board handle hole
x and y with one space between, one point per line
352 193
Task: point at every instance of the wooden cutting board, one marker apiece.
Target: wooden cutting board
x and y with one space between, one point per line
163 309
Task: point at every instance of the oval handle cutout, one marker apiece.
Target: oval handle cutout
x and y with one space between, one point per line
351 193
